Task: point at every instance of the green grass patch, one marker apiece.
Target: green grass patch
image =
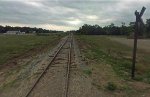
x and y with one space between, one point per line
87 72
111 86
15 45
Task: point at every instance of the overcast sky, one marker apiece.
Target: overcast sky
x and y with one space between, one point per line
69 14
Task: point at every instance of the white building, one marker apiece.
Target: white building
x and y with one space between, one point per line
14 33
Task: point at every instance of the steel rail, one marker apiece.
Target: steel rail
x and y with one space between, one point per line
41 75
68 68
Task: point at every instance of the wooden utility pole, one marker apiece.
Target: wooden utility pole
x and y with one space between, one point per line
138 23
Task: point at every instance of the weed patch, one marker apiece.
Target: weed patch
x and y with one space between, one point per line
111 86
87 72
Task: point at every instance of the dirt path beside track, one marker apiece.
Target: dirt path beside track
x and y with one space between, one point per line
143 44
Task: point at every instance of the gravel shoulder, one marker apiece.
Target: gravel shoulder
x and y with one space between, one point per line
81 83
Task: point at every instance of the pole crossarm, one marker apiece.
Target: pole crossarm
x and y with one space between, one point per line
139 16
142 11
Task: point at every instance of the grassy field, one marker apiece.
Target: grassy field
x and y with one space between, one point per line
110 64
15 45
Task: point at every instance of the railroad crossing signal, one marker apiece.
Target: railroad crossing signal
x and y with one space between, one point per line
138 24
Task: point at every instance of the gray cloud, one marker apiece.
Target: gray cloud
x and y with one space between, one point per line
69 14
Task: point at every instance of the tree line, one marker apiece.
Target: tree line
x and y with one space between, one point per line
4 29
112 29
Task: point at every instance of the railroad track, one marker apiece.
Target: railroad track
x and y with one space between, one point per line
66 87
68 68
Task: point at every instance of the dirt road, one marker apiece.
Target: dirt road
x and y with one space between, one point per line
143 44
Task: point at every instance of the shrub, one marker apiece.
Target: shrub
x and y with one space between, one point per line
111 86
88 72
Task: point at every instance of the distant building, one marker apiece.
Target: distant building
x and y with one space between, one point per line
14 33
21 33
34 32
